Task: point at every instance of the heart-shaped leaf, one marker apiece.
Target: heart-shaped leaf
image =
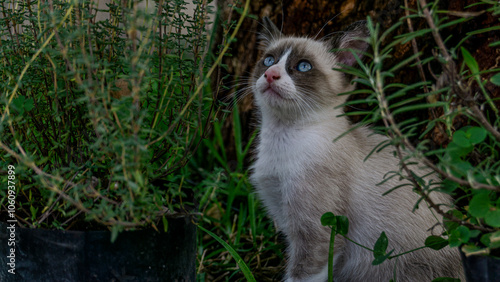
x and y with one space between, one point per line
461 139
342 225
476 134
328 219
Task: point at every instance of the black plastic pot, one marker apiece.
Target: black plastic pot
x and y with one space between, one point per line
144 255
481 268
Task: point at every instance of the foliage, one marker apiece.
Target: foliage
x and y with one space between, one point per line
468 161
102 108
244 268
232 214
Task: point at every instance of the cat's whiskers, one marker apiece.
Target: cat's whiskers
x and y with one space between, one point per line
323 27
242 87
236 97
304 102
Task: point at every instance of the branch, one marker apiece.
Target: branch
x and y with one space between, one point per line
421 69
390 123
457 84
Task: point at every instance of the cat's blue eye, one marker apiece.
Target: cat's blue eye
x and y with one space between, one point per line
269 61
304 66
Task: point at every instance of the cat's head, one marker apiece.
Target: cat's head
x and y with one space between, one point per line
295 78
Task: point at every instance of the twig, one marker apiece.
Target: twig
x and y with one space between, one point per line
420 68
44 175
394 131
415 47
457 85
46 214
390 123
209 73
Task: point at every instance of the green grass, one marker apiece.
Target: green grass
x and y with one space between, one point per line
241 264
232 213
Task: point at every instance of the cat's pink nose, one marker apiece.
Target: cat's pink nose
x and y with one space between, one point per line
272 74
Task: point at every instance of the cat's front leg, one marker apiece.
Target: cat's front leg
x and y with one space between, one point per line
322 276
308 255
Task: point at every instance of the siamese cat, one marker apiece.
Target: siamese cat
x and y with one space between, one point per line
300 172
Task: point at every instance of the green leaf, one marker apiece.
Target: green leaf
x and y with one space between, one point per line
461 139
342 224
491 240
464 233
114 233
479 205
495 79
474 233
454 239
381 245
243 266
33 211
449 186
18 104
459 236
328 219
380 259
455 151
470 61
476 134
436 242
451 225
28 104
165 224
470 250
460 168
492 217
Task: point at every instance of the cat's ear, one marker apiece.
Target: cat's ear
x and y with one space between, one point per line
354 38
270 32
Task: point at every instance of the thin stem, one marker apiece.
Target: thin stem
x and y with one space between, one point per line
330 255
394 132
420 69
209 73
407 252
457 84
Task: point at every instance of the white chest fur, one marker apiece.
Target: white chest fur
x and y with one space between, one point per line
286 156
285 151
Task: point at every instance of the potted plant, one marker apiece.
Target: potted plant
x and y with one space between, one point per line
462 99
102 106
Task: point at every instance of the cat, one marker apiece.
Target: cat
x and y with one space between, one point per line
300 172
